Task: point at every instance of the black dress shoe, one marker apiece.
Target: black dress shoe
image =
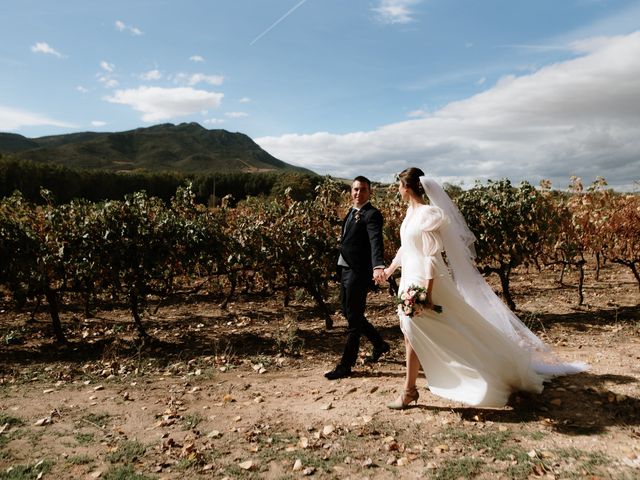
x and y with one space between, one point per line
377 353
339 372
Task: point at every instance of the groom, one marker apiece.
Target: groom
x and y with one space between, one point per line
360 262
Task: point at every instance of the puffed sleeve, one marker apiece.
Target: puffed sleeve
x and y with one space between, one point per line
432 220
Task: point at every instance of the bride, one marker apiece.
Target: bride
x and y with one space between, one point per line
475 350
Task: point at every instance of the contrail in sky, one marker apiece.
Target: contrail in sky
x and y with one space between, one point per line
278 21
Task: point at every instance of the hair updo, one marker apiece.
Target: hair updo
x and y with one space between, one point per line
410 178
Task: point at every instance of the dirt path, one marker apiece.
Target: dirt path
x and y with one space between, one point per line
219 396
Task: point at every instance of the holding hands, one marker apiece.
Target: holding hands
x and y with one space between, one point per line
379 275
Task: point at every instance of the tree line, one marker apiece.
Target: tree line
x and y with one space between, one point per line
141 247
66 184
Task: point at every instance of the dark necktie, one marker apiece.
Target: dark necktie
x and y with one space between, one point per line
352 213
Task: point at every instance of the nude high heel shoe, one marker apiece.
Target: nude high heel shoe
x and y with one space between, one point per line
404 400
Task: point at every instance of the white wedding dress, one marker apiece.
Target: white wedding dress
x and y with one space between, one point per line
464 356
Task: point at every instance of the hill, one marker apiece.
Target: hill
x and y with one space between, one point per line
187 148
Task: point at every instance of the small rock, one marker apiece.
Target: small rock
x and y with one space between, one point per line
297 465
43 421
246 465
441 448
328 430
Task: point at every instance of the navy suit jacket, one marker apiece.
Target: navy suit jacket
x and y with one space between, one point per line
361 244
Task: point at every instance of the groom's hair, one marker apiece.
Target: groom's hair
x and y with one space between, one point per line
362 179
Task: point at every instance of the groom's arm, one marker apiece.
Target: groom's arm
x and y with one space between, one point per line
374 230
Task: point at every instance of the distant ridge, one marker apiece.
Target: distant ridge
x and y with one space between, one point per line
187 148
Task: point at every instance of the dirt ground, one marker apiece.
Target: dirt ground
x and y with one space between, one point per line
240 393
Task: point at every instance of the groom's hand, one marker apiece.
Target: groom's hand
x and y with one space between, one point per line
379 276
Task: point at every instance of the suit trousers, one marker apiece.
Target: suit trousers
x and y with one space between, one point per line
353 293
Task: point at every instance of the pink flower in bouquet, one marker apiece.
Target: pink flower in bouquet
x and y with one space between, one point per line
414 297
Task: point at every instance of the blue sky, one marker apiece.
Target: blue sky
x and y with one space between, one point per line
465 89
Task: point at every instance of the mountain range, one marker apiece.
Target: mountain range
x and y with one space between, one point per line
187 148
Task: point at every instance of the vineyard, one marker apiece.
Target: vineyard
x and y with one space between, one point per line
217 323
139 248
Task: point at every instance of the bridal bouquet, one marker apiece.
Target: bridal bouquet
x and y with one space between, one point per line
412 299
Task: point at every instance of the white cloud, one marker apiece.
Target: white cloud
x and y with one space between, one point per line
481 81
151 75
108 81
106 77
395 11
121 27
192 79
82 89
577 117
107 67
196 58
98 123
13 118
417 113
156 103
214 121
43 47
236 114
244 100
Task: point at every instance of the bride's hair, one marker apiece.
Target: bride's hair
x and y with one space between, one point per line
410 178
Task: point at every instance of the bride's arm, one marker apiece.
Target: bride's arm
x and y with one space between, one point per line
397 262
429 287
